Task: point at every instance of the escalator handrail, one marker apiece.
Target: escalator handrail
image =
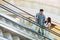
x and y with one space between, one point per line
25 12
21 9
18 8
24 17
16 22
57 34
25 27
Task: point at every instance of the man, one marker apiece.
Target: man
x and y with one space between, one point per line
40 18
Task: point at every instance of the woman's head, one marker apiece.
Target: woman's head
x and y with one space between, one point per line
49 20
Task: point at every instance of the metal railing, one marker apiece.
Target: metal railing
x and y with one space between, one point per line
11 11
30 19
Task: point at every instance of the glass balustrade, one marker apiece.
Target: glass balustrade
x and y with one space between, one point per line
30 26
8 22
33 18
36 26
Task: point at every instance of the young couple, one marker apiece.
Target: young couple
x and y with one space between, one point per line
40 18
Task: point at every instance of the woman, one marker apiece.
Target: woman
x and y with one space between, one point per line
48 26
48 23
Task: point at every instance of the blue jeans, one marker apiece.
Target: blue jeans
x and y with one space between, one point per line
41 31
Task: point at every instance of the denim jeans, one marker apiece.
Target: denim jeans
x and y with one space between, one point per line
41 31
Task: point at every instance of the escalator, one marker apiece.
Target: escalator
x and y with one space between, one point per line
18 27
32 21
4 7
14 28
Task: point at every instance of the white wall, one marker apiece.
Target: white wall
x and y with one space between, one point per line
51 6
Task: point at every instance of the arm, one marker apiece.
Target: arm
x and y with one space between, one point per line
36 17
49 25
44 19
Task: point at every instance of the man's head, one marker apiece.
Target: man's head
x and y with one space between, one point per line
41 11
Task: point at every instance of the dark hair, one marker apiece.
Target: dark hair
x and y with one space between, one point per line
49 20
41 10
